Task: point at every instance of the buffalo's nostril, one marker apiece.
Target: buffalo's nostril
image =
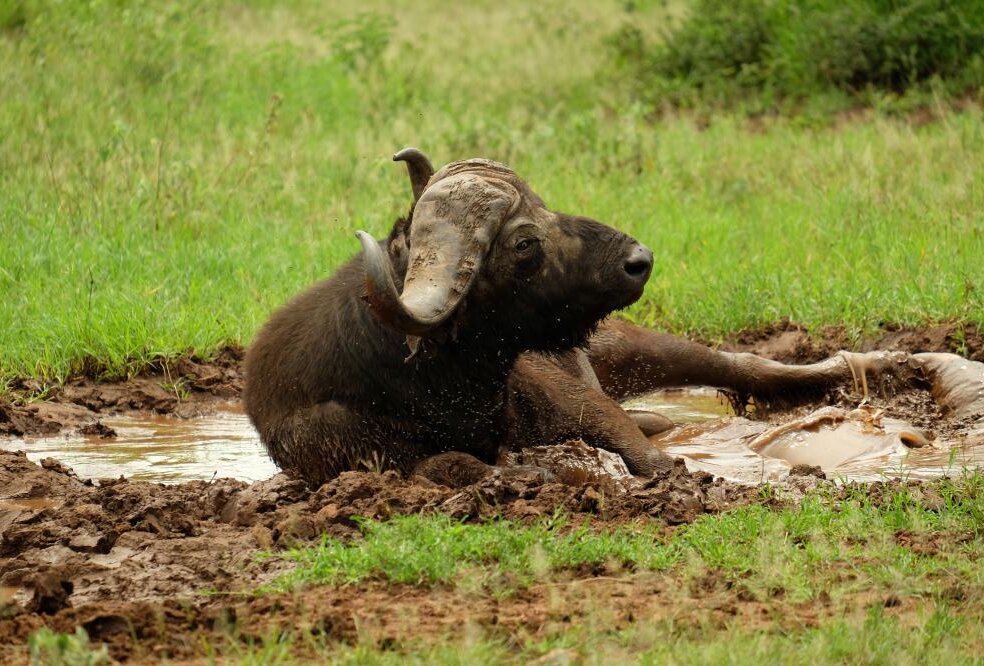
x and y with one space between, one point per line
639 262
637 266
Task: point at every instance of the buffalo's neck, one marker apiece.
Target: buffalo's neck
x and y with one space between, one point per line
460 392
455 392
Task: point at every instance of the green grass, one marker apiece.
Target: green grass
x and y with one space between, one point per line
171 172
429 550
842 548
801 549
938 636
51 648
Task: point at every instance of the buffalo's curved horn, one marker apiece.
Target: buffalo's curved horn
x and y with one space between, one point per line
455 221
382 295
419 168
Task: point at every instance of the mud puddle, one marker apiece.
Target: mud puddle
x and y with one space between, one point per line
684 405
753 452
856 445
223 444
163 437
161 448
861 444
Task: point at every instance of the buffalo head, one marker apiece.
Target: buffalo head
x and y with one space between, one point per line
482 253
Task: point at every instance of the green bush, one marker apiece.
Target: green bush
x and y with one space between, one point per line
782 50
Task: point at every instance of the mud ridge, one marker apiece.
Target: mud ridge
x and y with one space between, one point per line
130 562
188 387
789 342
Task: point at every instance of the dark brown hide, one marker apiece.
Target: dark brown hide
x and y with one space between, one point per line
482 275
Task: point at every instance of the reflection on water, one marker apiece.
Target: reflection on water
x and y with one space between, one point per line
684 405
720 447
161 448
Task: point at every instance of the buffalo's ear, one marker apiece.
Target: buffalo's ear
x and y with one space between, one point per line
398 243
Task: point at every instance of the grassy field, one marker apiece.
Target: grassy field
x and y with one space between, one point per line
170 172
843 577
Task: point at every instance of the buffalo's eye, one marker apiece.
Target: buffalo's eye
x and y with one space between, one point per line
526 245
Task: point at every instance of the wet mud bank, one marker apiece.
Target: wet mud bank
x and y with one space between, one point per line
155 571
188 387
789 342
130 561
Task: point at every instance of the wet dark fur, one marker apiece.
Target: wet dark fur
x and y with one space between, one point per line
329 387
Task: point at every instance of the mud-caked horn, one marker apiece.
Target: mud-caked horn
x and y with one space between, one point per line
419 168
454 223
382 294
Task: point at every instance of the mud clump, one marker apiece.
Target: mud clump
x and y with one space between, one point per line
808 470
97 429
51 593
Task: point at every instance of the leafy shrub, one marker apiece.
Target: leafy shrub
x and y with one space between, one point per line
788 49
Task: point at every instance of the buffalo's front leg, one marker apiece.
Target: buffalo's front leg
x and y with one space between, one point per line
549 403
631 360
319 442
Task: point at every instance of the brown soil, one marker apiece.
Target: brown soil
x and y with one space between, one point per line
789 342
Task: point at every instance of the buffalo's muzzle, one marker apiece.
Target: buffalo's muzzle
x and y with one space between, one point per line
638 263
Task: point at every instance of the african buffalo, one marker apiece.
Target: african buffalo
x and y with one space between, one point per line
477 326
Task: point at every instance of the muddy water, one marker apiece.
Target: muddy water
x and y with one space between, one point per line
856 445
851 446
160 448
684 406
